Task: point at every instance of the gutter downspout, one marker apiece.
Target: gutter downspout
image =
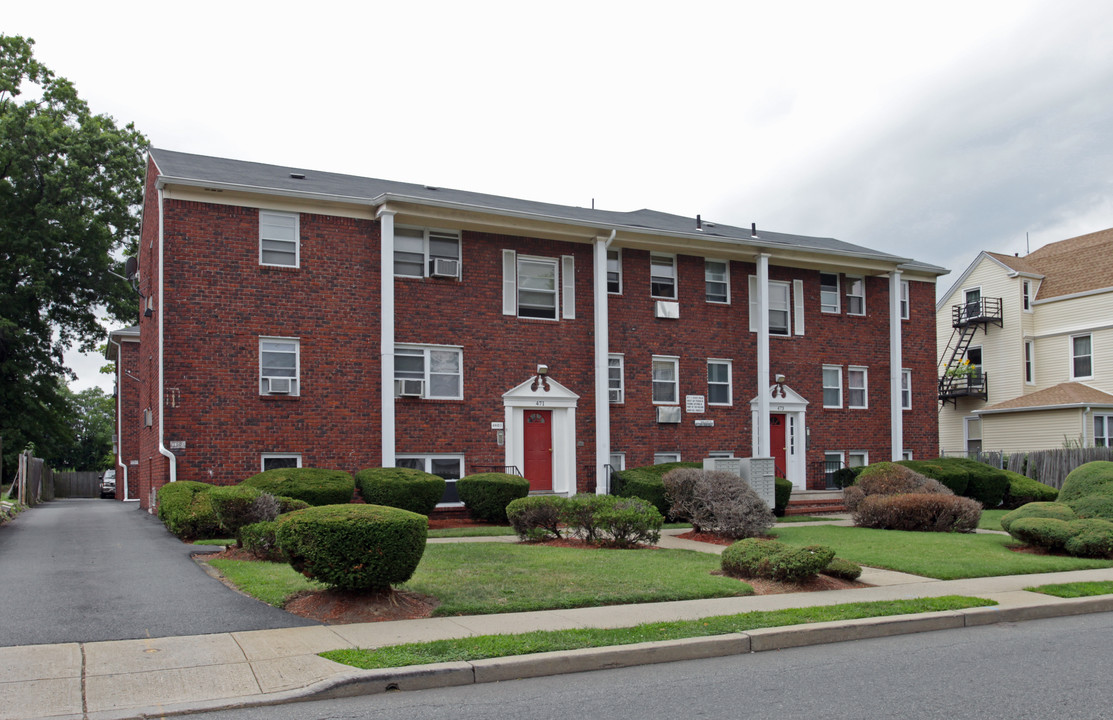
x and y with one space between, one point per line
896 404
1086 411
386 335
120 414
162 348
602 364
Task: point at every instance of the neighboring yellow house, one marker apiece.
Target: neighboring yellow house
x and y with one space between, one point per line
1026 350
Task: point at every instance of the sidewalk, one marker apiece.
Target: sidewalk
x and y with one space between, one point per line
133 678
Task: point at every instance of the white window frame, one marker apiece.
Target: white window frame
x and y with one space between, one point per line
1074 357
905 389
826 387
828 307
851 281
729 381
427 466
614 265
660 458
295 381
906 455
905 306
620 456
673 361
1029 362
555 292
661 258
966 422
616 360
427 256
277 456
277 220
426 353
774 307
1107 430
1026 295
863 457
709 280
850 371
981 357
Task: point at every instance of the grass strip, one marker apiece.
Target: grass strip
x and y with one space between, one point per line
1075 589
273 583
991 519
945 556
489 646
474 531
805 518
227 542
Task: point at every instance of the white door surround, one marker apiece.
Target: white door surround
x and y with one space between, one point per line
784 400
544 393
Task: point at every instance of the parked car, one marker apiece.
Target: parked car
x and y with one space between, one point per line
108 484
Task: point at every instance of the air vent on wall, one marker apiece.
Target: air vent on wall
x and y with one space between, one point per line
668 414
667 310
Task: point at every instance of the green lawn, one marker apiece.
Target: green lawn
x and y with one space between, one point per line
1075 589
803 518
946 556
481 578
227 542
991 519
487 646
474 531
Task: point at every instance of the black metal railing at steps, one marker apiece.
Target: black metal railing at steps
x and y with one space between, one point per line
985 310
506 469
827 471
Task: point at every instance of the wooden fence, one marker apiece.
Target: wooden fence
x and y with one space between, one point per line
1050 467
83 484
36 482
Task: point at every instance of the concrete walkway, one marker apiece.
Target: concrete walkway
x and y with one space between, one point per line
134 678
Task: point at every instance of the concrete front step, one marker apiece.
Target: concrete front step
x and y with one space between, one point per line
807 502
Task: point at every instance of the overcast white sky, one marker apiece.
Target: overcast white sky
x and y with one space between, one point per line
925 130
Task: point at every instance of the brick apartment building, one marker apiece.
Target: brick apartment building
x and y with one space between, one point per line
296 317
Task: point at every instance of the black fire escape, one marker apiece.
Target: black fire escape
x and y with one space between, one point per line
960 378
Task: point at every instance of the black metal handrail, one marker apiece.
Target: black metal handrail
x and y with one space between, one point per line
506 469
974 384
985 310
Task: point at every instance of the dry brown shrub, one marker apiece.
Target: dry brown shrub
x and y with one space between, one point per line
887 478
922 512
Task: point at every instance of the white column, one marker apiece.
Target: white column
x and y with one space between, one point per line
602 386
896 411
761 432
386 332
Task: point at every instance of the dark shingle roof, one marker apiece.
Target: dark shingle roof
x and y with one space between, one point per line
283 180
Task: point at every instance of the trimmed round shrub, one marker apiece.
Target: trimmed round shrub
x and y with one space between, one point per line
645 482
354 547
186 510
406 488
782 490
1093 506
628 522
289 504
843 569
486 495
235 507
1090 538
537 517
919 512
579 516
1023 490
259 539
1042 532
953 476
886 478
753 558
1053 510
316 486
1092 478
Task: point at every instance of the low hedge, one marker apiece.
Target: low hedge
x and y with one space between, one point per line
316 486
919 512
599 519
886 478
239 505
1045 532
1092 478
259 539
782 490
486 495
1052 510
187 511
406 488
1023 490
628 522
984 483
537 517
1092 537
843 569
645 482
754 558
354 547
955 478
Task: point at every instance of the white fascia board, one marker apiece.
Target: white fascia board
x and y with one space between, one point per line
1084 293
943 301
1068 406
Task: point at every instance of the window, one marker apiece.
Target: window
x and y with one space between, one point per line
829 292
716 275
277 461
537 288
718 382
1081 357
416 251
832 463
1103 430
665 457
856 387
974 357
973 300
449 467
614 272
973 436
433 372
615 381
1026 296
278 238
618 460
662 276
666 382
855 295
832 386
857 458
904 311
778 308
906 454
1029 362
906 389
278 366
720 454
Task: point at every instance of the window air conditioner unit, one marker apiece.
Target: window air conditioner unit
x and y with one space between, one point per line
446 267
409 388
670 414
278 386
667 310
615 395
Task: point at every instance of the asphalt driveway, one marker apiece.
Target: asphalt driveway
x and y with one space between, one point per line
81 570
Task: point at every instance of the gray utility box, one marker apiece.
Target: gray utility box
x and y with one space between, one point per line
758 472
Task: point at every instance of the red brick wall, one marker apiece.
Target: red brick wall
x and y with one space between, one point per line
128 408
153 468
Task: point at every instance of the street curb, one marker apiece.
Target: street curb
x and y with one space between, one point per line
454 674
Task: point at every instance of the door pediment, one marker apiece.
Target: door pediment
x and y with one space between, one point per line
791 401
534 391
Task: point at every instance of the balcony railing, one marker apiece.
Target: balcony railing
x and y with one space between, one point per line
986 310
975 384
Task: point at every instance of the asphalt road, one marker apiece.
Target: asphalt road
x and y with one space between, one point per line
1055 668
81 570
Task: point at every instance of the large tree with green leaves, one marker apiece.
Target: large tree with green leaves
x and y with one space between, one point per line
70 188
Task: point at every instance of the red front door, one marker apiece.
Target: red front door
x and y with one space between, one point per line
777 444
538 456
